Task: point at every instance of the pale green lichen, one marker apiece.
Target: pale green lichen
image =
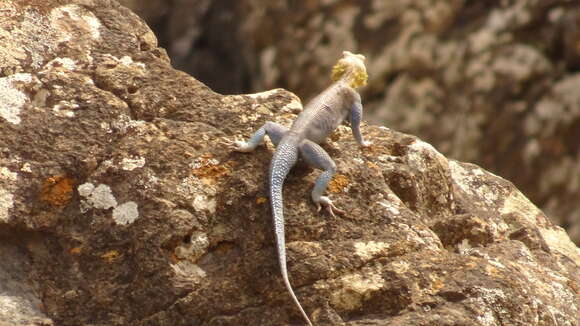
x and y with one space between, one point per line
6 203
100 197
82 18
21 309
371 249
130 164
11 98
355 289
187 272
6 198
36 36
126 213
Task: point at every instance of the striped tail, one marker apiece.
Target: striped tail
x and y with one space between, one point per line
284 159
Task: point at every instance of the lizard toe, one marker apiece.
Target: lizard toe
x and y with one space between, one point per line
329 210
241 146
328 206
366 144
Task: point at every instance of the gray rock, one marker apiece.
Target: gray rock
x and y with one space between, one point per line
122 204
489 82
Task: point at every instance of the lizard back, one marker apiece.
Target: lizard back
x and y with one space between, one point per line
325 112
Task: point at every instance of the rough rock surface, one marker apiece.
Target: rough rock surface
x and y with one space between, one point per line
492 82
122 204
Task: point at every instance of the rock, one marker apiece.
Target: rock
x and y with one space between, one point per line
468 76
121 202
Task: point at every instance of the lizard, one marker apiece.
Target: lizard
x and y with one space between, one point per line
321 116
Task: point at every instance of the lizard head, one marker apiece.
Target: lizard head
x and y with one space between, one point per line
351 68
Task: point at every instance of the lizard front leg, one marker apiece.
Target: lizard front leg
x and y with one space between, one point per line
355 118
272 129
317 157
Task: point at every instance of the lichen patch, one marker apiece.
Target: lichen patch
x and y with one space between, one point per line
100 197
32 41
418 153
6 203
83 19
85 189
193 249
516 202
111 256
8 178
338 183
128 61
471 181
206 167
201 185
11 98
390 207
8 175
65 109
188 273
66 63
371 249
126 213
130 164
558 240
355 289
201 202
57 191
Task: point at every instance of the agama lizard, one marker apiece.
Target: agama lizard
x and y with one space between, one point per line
320 117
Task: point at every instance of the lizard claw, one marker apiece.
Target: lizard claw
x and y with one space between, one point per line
328 206
236 145
366 144
242 146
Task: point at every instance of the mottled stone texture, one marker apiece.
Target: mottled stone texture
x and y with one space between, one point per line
492 82
122 202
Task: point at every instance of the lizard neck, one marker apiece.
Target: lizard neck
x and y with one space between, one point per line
348 79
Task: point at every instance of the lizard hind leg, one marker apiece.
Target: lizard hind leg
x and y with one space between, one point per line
274 131
318 158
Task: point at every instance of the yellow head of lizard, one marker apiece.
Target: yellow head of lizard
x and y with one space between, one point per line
351 68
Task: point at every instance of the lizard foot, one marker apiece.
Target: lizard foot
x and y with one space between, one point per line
328 206
366 144
242 146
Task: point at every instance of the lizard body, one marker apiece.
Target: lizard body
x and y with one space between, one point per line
321 116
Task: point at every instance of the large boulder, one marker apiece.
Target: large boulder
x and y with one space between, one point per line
491 82
122 202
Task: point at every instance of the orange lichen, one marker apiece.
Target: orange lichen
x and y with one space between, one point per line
111 256
261 200
491 270
57 190
334 136
338 183
210 171
436 284
207 168
75 251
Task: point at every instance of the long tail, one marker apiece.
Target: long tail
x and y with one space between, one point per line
284 158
